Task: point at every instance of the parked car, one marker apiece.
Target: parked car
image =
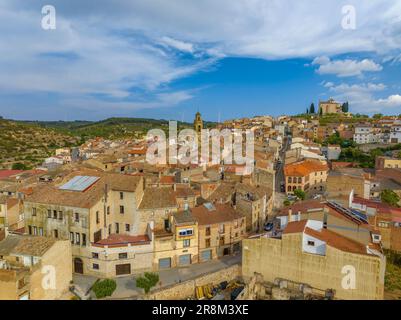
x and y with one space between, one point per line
269 226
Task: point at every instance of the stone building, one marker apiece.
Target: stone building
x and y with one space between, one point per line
307 175
177 246
34 268
330 107
92 209
220 230
309 254
342 181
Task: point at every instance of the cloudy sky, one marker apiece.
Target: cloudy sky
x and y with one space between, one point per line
168 59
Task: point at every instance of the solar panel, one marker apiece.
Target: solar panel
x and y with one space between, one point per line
79 183
359 216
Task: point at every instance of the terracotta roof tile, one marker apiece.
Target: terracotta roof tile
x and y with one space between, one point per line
222 213
158 198
304 168
337 241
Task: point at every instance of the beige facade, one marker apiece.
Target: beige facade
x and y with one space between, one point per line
107 211
339 184
307 175
220 239
387 163
34 268
178 247
329 107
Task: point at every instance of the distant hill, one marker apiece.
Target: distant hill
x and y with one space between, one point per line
29 142
112 128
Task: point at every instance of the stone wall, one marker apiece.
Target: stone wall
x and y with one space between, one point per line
285 259
186 289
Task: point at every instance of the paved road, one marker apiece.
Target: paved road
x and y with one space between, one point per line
280 167
279 196
126 286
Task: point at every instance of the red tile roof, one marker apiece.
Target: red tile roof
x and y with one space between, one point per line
222 213
9 173
167 179
302 206
121 240
337 241
304 168
295 227
331 238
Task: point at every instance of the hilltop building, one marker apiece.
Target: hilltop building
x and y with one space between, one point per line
330 107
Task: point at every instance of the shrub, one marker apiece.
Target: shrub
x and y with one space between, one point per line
19 166
300 194
148 281
104 288
390 197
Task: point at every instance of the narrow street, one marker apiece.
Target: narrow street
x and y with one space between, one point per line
280 196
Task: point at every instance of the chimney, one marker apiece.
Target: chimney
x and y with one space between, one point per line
175 187
289 215
325 216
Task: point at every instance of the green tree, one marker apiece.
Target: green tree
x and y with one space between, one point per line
148 281
286 202
378 116
300 194
312 108
345 107
320 111
19 166
104 288
390 197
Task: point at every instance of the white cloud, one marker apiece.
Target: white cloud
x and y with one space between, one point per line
345 68
179 45
327 84
392 101
362 97
116 46
368 87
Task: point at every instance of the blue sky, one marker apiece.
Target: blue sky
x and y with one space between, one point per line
158 59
